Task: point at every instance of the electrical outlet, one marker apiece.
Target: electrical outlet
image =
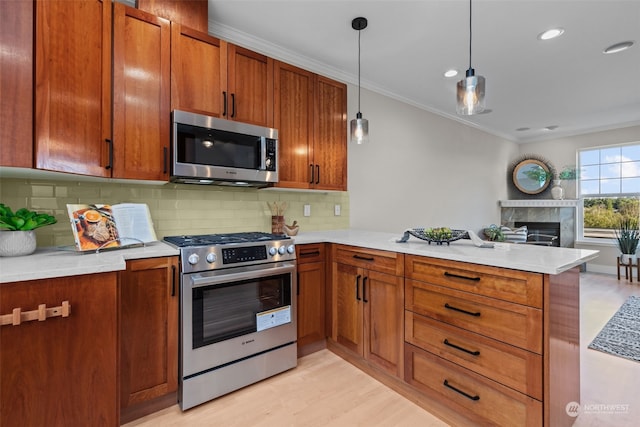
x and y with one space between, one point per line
336 210
307 210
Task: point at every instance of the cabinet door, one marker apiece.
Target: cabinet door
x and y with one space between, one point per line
384 309
16 83
198 72
73 86
330 136
311 279
141 87
250 86
148 330
348 307
61 371
293 117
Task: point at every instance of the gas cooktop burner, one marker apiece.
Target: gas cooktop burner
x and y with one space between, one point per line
221 239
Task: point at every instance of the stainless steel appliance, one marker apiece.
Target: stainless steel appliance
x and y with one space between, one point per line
208 150
237 312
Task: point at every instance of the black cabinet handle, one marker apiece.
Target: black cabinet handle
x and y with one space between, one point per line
233 105
110 146
224 103
318 177
298 283
475 279
457 347
173 280
364 258
364 289
313 253
165 159
312 174
358 287
470 313
468 396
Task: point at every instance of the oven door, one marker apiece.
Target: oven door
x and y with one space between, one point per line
234 313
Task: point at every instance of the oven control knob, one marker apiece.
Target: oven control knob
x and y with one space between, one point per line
291 249
282 250
273 251
211 258
193 259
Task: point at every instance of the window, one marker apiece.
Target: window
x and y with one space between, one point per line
609 186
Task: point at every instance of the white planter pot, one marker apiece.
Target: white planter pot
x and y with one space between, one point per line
628 259
17 243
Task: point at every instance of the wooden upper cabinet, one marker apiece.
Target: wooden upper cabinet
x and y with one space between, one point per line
16 83
250 86
198 72
141 100
193 13
310 115
212 77
330 129
73 86
293 117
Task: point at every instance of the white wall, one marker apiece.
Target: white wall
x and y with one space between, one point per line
562 151
421 169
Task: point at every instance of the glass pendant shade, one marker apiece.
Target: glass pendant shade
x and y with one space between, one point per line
470 94
359 130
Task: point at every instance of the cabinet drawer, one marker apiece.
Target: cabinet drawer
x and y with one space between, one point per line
312 252
509 285
371 259
513 324
508 365
482 400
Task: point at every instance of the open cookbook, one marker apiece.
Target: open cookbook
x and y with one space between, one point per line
110 226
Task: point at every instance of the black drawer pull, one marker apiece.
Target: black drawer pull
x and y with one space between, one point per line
173 280
364 289
457 347
358 287
297 283
312 174
364 258
470 313
110 155
468 396
224 103
475 279
313 253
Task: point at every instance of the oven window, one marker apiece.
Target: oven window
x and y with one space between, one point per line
229 310
196 145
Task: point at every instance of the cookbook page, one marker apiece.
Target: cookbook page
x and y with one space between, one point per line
93 226
134 223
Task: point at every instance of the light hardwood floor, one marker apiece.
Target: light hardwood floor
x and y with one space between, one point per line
324 390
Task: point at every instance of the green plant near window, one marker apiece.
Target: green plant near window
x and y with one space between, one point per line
628 236
568 173
494 233
23 219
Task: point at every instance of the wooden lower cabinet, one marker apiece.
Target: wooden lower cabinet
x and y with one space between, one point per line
148 336
367 310
311 298
61 371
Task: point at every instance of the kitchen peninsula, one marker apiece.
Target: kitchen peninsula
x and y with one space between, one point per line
460 330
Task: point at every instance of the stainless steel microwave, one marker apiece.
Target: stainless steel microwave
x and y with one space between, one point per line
208 150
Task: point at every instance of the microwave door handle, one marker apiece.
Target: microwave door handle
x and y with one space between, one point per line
263 153
200 280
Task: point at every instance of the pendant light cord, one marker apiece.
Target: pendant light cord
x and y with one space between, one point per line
359 32
469 34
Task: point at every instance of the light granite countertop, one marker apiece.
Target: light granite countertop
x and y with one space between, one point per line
47 263
537 259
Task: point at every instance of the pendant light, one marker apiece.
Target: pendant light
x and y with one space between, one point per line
359 126
470 91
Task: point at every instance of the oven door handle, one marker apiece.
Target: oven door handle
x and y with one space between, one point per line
200 279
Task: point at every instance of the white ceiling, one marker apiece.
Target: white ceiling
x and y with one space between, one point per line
565 82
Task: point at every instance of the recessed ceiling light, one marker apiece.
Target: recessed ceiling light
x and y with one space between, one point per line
522 129
551 34
552 127
451 73
618 47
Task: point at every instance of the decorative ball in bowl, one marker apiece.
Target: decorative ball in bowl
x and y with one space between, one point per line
438 235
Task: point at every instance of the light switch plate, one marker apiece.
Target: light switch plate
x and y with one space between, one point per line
336 210
307 210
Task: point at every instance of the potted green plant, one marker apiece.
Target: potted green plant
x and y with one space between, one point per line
16 230
628 236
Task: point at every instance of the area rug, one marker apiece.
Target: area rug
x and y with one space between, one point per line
621 335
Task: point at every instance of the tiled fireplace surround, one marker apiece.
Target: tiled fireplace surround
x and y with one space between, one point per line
559 211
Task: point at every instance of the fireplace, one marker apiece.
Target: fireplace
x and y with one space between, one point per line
561 213
541 233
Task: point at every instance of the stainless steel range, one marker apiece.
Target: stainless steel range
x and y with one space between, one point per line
237 312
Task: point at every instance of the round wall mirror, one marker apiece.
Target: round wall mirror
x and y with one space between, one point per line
531 176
